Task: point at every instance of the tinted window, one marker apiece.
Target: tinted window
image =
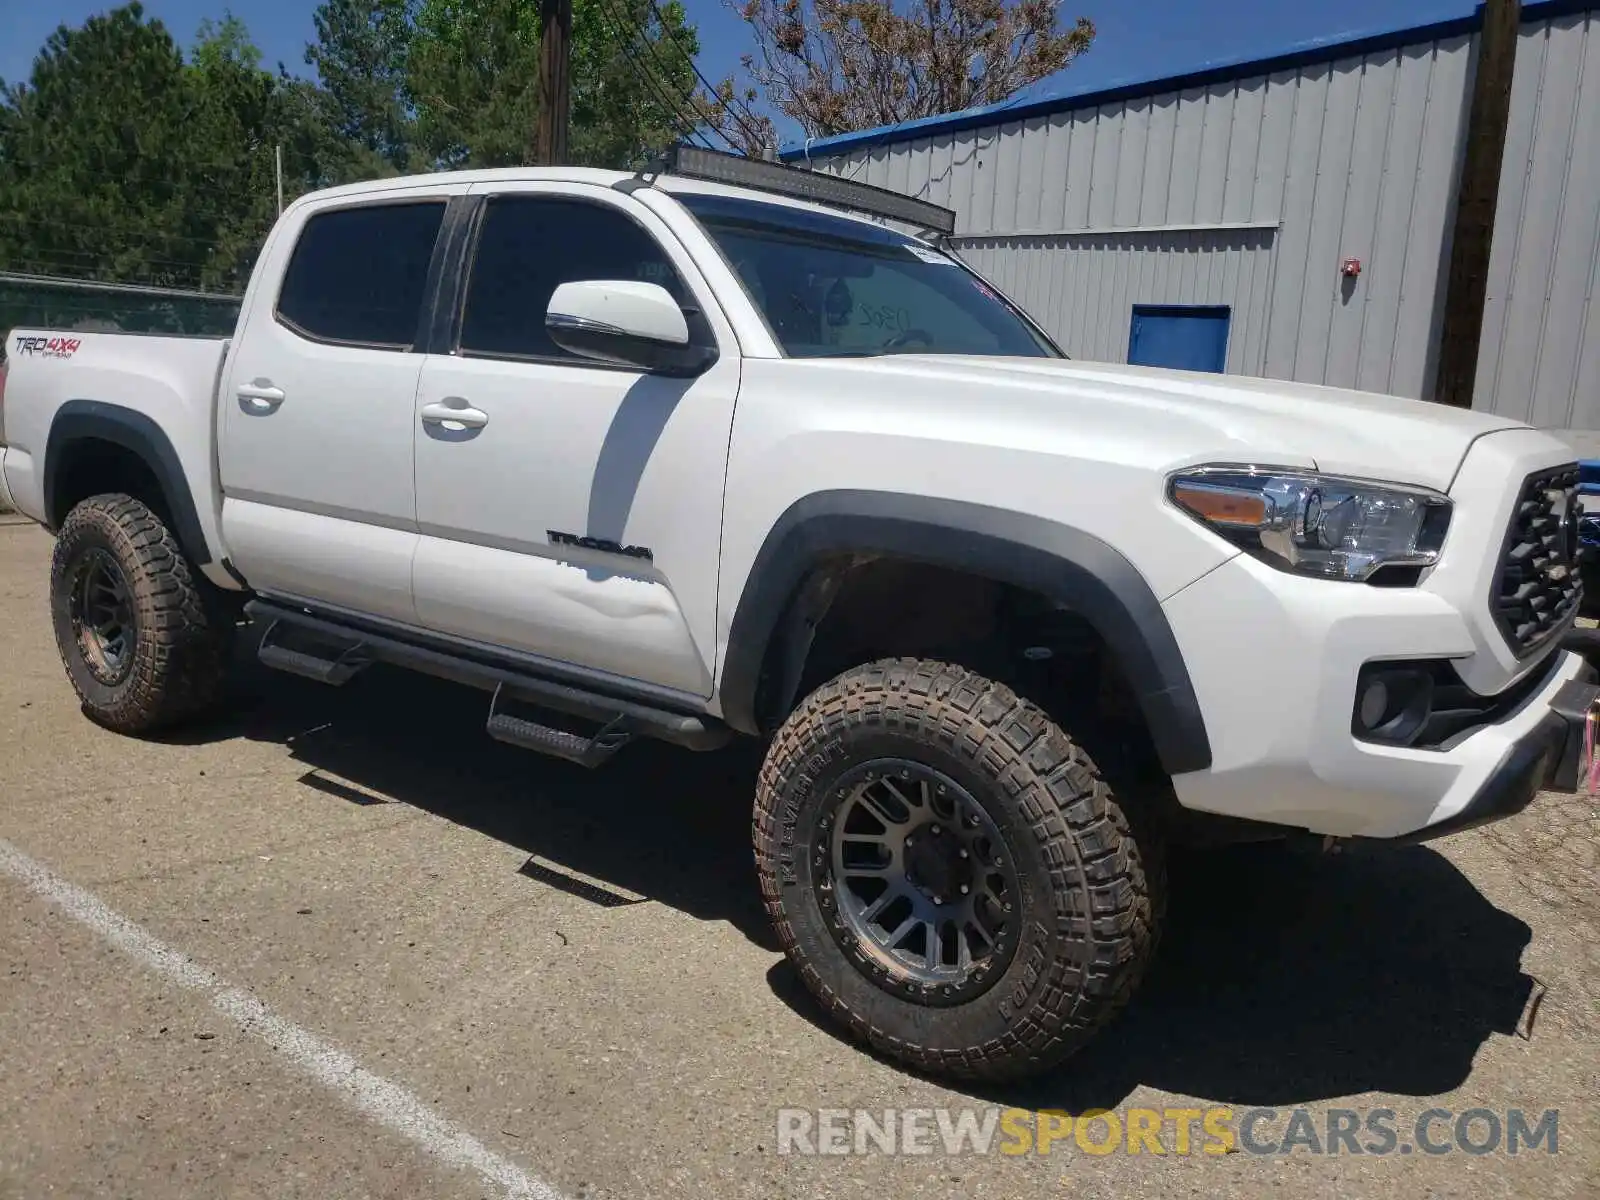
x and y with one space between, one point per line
358 274
530 246
832 287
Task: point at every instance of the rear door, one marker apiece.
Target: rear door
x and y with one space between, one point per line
578 518
319 499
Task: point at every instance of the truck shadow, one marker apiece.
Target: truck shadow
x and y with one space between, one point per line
1285 975
655 823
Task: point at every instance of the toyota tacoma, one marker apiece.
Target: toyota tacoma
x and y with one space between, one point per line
724 449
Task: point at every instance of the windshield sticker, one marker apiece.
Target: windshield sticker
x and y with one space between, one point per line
931 256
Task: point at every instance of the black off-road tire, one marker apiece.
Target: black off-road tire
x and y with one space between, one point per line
1092 894
180 633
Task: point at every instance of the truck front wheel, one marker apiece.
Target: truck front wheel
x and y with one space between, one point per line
949 873
144 642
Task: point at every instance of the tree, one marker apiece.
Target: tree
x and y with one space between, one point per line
361 56
473 72
836 66
87 165
224 43
121 162
633 94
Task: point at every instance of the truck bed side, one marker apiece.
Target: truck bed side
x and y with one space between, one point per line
151 394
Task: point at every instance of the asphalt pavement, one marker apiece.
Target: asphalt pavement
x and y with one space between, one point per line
338 943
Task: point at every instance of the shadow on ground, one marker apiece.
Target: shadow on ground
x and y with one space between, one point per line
1285 975
656 822
1288 976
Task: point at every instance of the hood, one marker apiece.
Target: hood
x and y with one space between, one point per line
1235 418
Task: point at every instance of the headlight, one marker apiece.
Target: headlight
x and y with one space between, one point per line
1313 524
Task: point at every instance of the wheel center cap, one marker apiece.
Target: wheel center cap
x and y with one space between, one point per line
937 864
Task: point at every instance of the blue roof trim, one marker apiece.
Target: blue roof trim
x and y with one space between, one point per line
1317 50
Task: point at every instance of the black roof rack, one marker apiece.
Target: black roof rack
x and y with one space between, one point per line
692 162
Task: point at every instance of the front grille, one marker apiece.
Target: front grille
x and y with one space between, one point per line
1538 588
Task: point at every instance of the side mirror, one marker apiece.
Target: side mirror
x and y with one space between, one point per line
627 322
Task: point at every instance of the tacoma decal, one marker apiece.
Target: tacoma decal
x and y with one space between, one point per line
604 545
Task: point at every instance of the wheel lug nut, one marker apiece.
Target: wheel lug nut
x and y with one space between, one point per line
934 831
965 889
963 854
938 899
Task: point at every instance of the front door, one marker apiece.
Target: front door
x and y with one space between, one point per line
571 510
317 408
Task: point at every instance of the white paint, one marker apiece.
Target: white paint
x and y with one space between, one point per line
384 1101
627 306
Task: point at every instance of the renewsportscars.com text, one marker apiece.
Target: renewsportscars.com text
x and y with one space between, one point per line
1177 1131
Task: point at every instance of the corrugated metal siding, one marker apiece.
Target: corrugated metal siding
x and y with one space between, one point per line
1540 357
1353 158
1083 288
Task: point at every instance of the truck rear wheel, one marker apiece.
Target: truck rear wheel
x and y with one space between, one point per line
949 873
144 642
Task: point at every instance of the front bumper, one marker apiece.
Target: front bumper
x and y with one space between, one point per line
1548 759
1275 659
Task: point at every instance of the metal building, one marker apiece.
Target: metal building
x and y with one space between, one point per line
1290 216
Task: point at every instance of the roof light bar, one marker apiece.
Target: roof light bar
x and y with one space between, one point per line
695 163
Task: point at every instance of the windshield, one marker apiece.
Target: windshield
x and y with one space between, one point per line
831 287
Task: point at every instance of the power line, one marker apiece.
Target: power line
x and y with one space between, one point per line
733 105
33 219
100 256
701 116
658 90
686 126
68 284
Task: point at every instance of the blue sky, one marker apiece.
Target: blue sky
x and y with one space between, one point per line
1138 39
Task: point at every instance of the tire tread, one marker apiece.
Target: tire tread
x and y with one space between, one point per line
180 655
1083 831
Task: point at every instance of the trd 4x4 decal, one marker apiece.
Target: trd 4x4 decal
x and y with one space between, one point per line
49 347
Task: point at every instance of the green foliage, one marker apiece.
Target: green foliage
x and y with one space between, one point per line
361 54
619 117
123 160
119 161
473 80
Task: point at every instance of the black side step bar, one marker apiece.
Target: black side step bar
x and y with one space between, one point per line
334 671
558 743
637 717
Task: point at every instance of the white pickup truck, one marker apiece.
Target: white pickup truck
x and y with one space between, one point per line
663 456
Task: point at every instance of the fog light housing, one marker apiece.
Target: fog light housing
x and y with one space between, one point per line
1392 704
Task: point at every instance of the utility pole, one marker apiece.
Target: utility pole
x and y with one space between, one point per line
1476 200
555 52
277 167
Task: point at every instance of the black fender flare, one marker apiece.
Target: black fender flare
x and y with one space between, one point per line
1067 565
84 420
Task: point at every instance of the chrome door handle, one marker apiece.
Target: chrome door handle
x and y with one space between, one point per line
259 396
454 413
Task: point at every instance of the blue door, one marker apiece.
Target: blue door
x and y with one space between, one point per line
1189 338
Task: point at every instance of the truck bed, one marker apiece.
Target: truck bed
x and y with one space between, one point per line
169 383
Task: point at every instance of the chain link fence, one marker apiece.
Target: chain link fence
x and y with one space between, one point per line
87 306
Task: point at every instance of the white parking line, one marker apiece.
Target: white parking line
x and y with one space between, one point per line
387 1103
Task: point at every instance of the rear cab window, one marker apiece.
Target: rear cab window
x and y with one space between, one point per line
358 275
